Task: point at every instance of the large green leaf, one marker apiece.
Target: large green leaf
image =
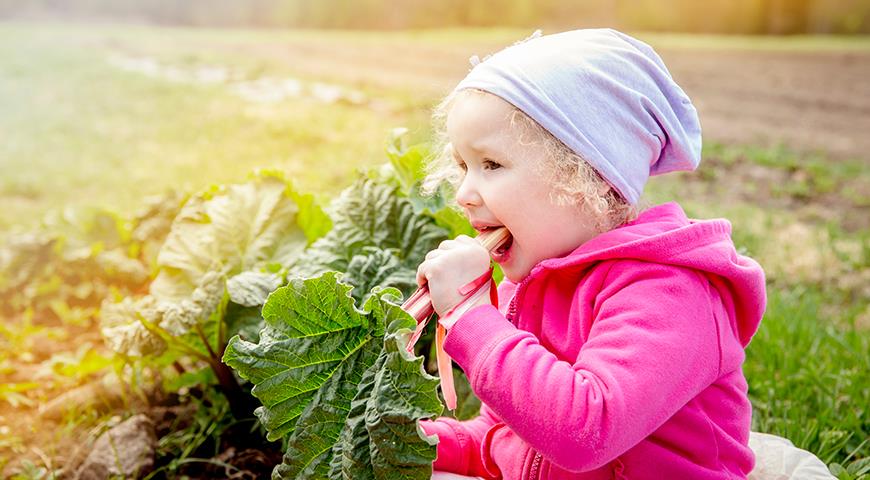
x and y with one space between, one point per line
229 243
408 163
140 326
311 218
313 331
402 394
123 325
250 289
230 229
334 379
371 214
374 267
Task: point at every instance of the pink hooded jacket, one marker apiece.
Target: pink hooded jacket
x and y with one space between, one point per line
620 360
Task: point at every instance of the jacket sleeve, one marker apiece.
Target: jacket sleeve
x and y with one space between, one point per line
459 442
652 347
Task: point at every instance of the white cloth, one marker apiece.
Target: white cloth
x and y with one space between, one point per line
776 458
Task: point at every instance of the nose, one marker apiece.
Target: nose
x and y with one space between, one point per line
467 195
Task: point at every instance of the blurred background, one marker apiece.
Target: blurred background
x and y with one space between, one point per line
717 16
113 112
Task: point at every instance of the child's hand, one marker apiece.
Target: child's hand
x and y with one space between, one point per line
450 267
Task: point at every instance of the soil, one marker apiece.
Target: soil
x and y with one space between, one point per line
810 101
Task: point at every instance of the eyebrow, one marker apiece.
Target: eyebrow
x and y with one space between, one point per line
480 149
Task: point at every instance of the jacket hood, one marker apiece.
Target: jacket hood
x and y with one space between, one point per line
663 234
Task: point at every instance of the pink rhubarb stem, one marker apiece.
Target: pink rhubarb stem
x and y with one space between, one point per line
419 304
445 369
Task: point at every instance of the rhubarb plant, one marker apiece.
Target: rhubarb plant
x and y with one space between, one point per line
377 239
227 249
336 382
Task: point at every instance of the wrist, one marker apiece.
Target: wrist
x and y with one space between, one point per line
478 298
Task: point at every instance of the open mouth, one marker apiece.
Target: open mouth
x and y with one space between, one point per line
504 247
501 252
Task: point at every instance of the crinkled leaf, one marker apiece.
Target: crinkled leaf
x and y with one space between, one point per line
316 360
181 316
313 330
87 226
117 266
245 322
376 267
350 454
237 231
137 326
154 220
402 394
22 258
371 214
123 325
232 229
250 289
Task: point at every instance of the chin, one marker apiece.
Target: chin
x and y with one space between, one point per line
514 275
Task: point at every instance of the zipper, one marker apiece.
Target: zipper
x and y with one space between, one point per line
535 472
618 469
512 307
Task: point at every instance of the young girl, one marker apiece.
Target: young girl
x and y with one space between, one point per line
616 347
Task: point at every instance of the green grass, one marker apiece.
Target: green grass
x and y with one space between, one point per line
810 381
77 131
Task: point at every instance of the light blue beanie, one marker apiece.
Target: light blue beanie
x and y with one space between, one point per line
606 95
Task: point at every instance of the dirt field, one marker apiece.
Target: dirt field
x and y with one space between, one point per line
810 101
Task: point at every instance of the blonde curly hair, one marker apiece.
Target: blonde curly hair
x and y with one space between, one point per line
574 181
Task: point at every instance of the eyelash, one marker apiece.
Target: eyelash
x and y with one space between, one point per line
493 164
486 163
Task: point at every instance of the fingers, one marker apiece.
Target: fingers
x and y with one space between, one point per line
421 275
462 241
448 245
427 267
466 240
456 242
423 272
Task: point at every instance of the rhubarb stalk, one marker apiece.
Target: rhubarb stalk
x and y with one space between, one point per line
419 306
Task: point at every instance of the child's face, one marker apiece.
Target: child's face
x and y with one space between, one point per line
502 186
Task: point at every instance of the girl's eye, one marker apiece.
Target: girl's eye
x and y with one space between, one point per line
491 165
